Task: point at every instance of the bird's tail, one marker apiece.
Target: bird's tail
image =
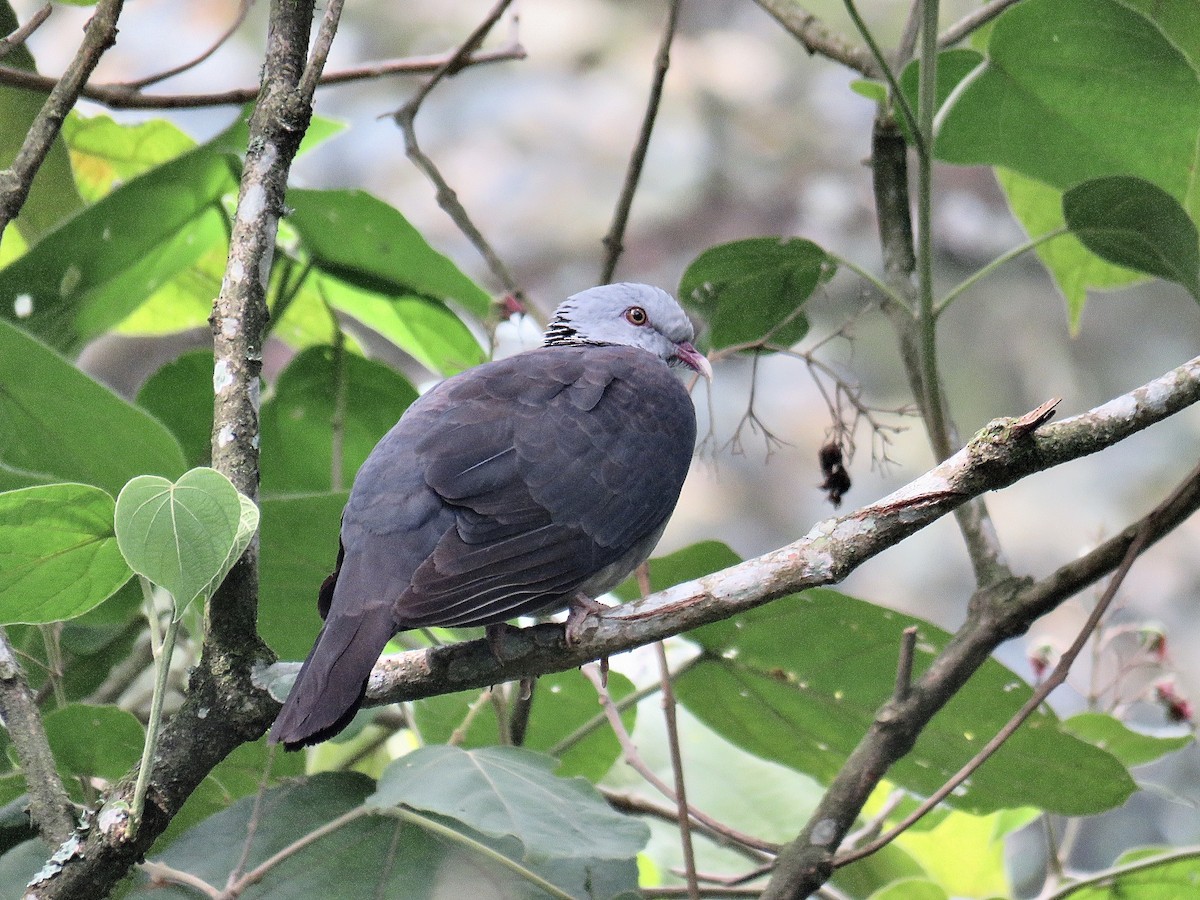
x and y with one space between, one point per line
333 680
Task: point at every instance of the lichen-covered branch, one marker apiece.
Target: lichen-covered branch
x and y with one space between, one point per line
818 38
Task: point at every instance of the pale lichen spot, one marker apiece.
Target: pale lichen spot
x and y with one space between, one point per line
226 436
230 326
254 201
222 377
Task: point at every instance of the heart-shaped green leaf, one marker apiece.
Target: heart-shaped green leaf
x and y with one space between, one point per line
1136 224
186 535
58 554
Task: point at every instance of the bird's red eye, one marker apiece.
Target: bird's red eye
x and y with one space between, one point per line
635 315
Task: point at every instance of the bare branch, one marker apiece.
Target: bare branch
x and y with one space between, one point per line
320 50
818 39
49 806
119 96
616 232
139 84
98 36
21 35
447 199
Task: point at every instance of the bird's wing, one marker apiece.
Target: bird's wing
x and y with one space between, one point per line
558 463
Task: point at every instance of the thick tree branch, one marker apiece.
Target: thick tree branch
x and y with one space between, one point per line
221 709
15 181
128 96
49 806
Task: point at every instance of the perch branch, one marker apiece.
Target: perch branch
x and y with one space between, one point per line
817 38
20 35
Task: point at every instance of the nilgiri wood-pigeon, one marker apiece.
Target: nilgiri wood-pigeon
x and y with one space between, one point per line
517 487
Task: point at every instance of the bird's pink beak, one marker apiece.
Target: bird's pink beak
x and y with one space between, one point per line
689 356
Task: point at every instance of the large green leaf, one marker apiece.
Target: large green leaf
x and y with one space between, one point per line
509 792
799 682
1079 89
1131 747
93 271
363 240
754 290
1133 223
58 553
56 424
106 153
369 856
561 703
297 422
184 536
297 550
180 394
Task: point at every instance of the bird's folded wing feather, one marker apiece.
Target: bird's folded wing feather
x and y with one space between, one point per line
557 463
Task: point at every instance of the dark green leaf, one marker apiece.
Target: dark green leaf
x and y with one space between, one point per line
371 856
56 424
562 702
509 792
754 290
1136 224
693 561
297 432
19 865
1176 877
58 553
93 271
298 547
1131 747
94 741
363 240
184 536
799 682
953 66
180 395
425 329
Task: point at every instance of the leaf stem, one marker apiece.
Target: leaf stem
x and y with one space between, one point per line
162 670
996 263
888 291
897 94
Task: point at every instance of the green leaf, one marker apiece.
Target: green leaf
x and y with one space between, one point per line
297 422
961 836
320 129
184 536
369 856
56 424
425 329
509 792
952 68
297 550
1136 224
754 290
180 395
562 702
58 553
910 889
94 741
105 153
97 268
799 682
1131 747
1038 207
362 240
694 561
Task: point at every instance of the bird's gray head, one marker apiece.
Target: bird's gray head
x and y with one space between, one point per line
633 315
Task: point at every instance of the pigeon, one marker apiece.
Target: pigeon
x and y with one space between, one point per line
519 487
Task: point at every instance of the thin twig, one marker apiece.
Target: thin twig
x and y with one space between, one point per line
908 37
320 51
447 199
1107 875
15 182
161 874
908 644
49 806
117 96
1148 527
613 241
255 819
973 21
238 19
255 875
631 803
20 35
